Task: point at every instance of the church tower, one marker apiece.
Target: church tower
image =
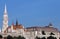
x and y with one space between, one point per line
5 20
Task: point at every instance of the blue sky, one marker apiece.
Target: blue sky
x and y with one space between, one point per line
32 12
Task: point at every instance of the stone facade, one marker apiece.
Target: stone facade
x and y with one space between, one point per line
29 32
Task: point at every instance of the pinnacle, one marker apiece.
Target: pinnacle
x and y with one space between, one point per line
5 9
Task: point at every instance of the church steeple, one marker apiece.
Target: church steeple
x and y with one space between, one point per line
16 22
5 9
5 20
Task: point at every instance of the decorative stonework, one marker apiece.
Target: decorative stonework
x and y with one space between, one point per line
5 20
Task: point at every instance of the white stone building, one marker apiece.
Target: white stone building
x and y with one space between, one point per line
29 32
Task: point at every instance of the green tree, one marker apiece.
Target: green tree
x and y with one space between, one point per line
37 37
55 38
0 36
43 38
51 37
59 38
15 37
20 37
9 37
23 38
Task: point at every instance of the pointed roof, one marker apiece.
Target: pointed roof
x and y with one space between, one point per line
5 11
16 22
50 25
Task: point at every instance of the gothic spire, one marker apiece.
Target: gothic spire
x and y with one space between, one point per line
5 20
5 11
16 22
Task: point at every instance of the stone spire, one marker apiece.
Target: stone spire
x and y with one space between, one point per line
16 22
5 9
5 20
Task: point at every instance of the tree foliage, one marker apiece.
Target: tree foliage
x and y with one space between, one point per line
51 37
59 38
43 38
37 37
9 37
0 36
20 37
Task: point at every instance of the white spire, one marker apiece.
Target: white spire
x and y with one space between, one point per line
5 9
5 20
